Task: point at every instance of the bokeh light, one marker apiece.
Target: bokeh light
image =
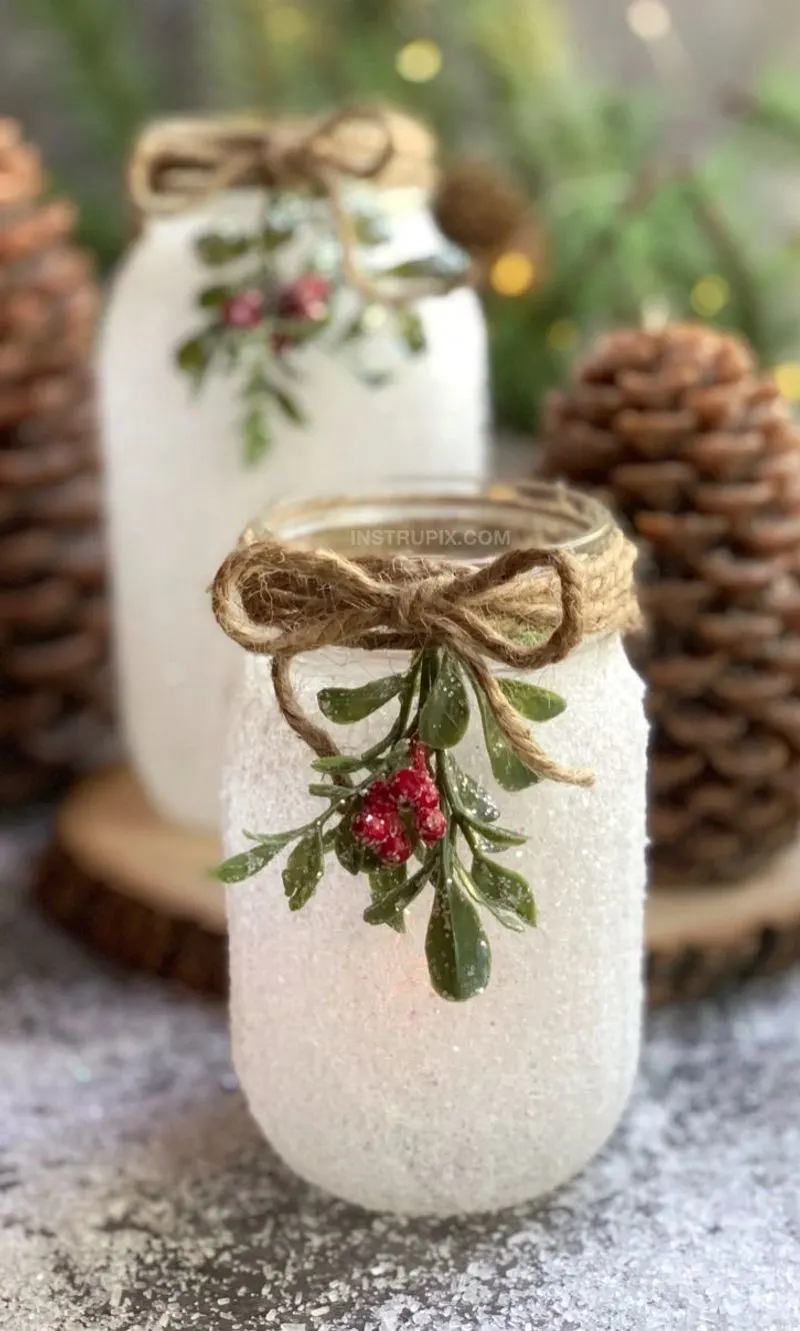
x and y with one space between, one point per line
649 20
419 61
709 296
787 377
512 274
288 24
563 335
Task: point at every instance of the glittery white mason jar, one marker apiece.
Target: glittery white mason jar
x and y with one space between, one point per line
179 491
364 1080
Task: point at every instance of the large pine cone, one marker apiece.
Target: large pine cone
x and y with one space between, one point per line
697 452
53 633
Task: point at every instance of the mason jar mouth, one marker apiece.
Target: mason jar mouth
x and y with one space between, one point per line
465 518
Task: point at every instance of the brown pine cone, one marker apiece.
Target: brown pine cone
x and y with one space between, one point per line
479 207
53 632
697 452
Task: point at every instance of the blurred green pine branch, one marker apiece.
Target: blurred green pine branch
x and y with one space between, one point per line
509 87
108 88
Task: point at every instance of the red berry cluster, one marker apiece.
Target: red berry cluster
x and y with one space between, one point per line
304 299
379 824
245 310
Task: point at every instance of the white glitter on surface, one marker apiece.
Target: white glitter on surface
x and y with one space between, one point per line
179 493
361 1077
151 1179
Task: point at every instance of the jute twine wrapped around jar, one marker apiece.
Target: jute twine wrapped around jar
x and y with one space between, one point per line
527 609
178 165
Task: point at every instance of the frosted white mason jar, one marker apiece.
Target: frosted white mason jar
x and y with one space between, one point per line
364 1080
179 491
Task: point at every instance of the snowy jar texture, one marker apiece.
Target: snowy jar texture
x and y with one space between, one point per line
366 1082
179 492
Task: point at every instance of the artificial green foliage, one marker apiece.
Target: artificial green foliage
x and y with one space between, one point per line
410 775
254 321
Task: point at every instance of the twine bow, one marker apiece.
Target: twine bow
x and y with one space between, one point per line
178 165
280 601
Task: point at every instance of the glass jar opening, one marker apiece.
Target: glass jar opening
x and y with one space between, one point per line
466 519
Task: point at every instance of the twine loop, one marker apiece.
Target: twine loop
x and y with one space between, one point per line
528 608
178 165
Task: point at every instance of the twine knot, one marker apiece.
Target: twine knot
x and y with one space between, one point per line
179 164
528 608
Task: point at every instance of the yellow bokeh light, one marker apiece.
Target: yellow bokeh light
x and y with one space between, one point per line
419 61
649 20
563 335
512 274
288 24
787 377
709 296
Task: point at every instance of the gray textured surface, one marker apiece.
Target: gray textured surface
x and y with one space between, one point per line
135 1193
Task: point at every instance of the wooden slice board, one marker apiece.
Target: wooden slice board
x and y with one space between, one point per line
137 887
134 885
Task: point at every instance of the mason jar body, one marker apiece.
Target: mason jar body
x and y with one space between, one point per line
179 490
365 1081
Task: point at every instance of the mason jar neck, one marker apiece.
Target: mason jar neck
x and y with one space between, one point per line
466 520
242 207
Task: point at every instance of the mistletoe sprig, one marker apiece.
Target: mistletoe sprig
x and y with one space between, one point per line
406 814
256 321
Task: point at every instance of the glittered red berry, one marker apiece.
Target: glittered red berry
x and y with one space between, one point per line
396 848
407 784
432 827
305 298
372 827
379 796
428 799
245 310
418 752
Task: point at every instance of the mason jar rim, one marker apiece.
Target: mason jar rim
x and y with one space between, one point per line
463 517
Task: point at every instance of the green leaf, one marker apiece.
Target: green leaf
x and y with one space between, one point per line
496 839
215 250
275 235
530 701
504 891
508 770
471 797
444 717
370 229
304 869
412 331
213 297
250 862
344 706
440 267
368 320
338 794
389 879
375 378
338 763
459 957
194 357
396 900
287 403
257 440
349 852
